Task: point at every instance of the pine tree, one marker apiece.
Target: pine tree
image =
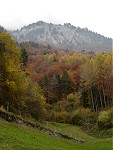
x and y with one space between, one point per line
66 84
24 57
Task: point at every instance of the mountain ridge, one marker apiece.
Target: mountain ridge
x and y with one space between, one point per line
2 29
64 36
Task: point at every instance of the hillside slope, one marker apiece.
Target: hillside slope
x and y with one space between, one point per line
2 29
19 137
64 36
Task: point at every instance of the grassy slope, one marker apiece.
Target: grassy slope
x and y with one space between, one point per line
77 133
16 137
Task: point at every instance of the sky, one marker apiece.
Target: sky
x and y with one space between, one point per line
96 15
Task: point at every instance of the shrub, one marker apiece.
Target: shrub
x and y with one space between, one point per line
73 101
77 119
61 117
84 117
105 119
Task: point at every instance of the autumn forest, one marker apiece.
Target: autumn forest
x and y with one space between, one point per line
55 84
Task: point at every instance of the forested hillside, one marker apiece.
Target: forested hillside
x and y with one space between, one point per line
77 86
56 85
56 75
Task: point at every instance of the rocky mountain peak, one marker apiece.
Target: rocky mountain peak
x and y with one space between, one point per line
64 36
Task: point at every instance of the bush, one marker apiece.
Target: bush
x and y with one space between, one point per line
105 119
77 119
61 117
84 117
73 101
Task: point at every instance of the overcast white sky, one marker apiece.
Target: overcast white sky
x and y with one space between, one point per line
97 15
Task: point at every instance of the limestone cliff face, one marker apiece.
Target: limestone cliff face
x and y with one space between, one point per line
64 36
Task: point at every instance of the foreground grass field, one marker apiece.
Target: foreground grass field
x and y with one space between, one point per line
17 137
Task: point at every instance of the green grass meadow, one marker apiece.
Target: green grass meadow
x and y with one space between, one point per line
19 137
